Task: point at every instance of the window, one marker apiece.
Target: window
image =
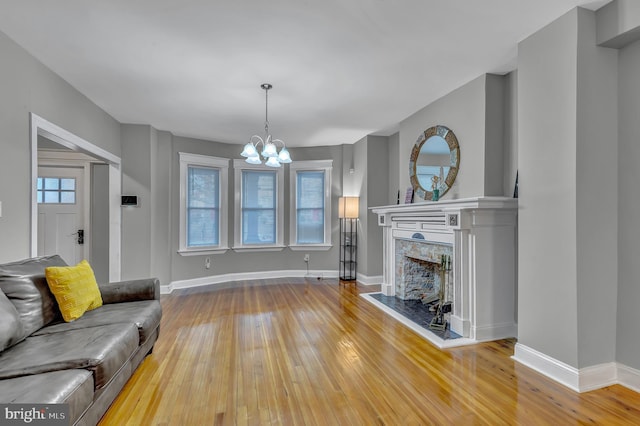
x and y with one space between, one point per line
53 190
310 218
258 207
203 204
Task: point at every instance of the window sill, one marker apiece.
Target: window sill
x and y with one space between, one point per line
202 252
310 247
241 249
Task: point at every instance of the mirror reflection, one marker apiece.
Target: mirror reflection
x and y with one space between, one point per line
434 162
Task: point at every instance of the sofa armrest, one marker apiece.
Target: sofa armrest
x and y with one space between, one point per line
129 291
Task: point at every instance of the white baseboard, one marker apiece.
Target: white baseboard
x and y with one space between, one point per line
242 276
550 367
579 380
367 280
494 332
628 377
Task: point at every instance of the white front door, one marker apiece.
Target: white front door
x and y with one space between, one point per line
61 212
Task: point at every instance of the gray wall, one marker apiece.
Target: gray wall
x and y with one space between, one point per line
146 172
596 204
395 165
567 132
547 281
100 221
475 113
28 86
377 195
628 315
361 185
136 180
494 152
510 133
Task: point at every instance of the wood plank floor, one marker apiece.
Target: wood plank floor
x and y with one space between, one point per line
286 352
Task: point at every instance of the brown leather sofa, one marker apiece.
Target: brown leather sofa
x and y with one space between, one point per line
84 363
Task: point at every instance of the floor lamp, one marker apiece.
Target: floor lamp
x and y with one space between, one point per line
348 211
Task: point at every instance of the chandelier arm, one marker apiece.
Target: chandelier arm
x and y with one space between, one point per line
258 141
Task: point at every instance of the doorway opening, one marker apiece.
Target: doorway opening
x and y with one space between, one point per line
73 153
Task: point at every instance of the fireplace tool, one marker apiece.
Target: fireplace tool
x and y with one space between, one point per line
439 322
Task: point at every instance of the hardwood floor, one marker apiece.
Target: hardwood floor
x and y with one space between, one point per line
294 353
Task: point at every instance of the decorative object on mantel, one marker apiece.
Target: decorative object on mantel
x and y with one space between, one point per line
348 212
434 188
436 153
269 150
408 196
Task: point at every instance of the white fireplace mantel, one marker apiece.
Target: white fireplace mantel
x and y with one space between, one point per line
483 233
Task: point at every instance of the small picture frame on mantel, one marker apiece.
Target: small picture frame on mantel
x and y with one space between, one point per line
408 196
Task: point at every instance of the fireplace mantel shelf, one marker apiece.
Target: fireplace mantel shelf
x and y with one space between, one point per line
443 205
482 232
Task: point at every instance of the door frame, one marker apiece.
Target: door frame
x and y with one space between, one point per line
43 127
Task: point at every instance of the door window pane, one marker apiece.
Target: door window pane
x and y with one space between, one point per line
53 190
67 184
68 197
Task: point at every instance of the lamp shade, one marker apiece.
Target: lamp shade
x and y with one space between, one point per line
349 207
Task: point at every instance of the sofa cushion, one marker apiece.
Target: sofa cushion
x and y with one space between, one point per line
73 387
102 350
11 331
75 289
23 282
145 314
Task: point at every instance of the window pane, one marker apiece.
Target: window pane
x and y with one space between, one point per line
310 207
258 189
258 226
202 227
68 197
310 224
51 183
51 196
310 190
68 184
203 187
39 196
40 183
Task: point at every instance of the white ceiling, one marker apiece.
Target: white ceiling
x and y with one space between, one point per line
341 69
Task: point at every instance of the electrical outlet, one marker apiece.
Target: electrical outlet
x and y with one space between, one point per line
207 262
306 257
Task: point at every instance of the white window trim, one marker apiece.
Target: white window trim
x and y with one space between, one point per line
238 167
310 166
187 160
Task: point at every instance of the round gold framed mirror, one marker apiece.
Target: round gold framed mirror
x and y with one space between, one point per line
434 162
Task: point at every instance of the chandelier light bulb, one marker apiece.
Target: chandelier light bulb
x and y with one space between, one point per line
272 162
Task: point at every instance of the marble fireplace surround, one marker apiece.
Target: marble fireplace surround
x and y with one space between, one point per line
482 233
417 267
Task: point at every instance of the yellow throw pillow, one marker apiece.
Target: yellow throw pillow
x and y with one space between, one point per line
75 289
